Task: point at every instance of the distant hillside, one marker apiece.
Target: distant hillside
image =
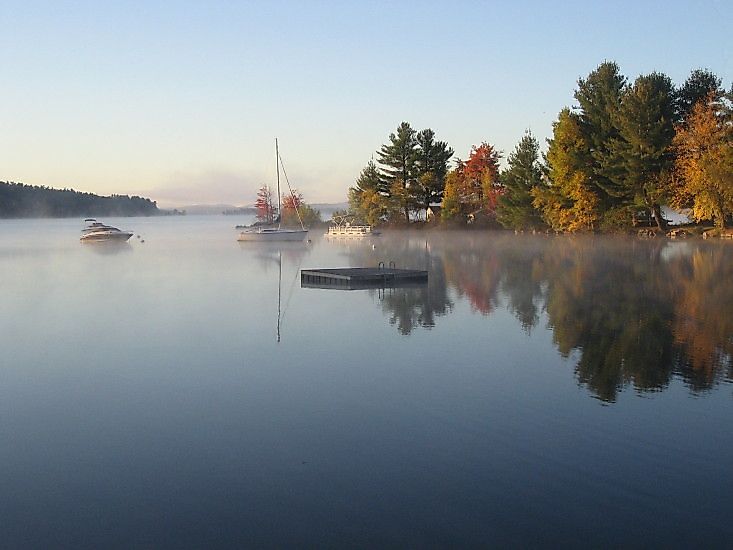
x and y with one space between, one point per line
231 210
330 207
211 209
18 200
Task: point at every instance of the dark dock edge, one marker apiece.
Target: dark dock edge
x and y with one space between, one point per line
353 278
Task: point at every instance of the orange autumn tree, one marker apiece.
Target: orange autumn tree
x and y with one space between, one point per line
704 163
295 210
472 189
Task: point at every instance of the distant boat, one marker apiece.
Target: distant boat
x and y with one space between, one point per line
351 231
98 232
271 234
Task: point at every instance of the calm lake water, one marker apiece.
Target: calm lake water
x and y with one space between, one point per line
538 391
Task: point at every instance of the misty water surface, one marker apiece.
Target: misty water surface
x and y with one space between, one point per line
558 391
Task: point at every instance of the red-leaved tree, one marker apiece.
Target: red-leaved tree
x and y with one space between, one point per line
472 190
265 209
481 173
292 202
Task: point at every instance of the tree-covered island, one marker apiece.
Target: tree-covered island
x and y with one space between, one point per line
18 200
624 151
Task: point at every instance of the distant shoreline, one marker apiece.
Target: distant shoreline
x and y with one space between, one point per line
21 201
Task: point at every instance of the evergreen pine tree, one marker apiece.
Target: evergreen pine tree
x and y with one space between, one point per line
398 160
599 97
641 152
432 166
699 86
369 179
515 209
367 198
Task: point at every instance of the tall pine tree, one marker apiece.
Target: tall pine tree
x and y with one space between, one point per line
524 173
398 160
432 166
369 179
641 153
700 85
599 97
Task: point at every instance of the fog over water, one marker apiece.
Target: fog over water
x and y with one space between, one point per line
538 390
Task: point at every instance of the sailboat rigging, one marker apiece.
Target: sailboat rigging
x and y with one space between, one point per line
269 234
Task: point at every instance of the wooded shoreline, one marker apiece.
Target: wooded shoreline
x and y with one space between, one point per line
18 200
614 160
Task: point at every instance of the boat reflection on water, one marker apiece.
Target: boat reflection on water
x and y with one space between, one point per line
537 388
108 248
265 248
269 253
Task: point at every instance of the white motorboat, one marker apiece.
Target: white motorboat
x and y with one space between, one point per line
98 232
272 234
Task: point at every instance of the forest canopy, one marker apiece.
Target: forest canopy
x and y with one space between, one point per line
18 200
615 159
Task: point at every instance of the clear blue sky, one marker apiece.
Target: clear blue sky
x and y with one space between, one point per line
181 101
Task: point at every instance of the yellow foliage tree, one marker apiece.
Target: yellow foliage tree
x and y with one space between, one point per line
368 205
398 202
569 203
704 165
452 207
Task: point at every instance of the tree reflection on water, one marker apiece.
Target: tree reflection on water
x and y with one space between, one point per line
409 308
635 313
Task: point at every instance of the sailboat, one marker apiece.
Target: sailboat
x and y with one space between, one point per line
270 234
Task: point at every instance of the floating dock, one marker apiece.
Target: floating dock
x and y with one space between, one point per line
355 278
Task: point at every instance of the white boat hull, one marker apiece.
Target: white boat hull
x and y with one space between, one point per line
273 235
106 236
98 232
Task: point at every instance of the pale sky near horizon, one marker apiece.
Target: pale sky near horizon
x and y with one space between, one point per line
181 101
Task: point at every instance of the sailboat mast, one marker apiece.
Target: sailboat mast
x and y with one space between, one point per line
277 164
